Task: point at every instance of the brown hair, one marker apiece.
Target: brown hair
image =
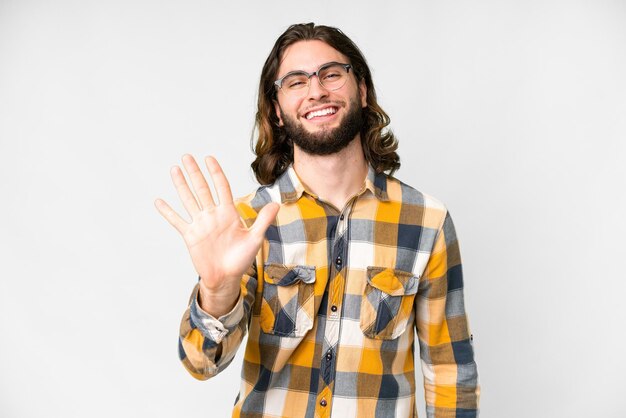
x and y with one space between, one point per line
274 150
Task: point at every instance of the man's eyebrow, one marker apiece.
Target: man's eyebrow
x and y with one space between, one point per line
306 72
295 72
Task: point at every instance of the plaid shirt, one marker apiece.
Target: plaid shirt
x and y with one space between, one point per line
330 304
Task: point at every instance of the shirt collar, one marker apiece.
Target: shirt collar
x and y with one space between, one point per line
291 188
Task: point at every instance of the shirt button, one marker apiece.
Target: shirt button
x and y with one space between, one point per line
323 402
341 217
333 308
338 261
329 355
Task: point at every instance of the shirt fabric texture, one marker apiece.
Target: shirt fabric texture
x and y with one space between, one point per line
331 305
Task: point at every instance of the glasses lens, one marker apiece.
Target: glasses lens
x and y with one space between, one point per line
333 76
295 81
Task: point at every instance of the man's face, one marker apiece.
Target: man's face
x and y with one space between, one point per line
334 117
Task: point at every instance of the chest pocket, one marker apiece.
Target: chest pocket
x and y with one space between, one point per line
288 304
387 303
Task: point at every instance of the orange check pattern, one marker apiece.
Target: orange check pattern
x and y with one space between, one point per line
330 307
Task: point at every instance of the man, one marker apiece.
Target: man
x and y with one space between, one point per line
334 263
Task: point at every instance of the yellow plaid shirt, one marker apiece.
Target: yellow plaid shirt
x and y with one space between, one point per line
331 303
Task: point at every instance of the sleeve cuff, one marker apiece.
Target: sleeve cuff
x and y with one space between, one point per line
212 328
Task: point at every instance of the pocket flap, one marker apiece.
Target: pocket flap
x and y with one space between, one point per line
282 275
394 282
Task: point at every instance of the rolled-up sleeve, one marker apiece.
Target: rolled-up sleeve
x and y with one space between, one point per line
206 344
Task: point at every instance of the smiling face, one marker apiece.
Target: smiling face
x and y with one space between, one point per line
319 121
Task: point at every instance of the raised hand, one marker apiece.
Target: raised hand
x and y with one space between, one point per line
222 248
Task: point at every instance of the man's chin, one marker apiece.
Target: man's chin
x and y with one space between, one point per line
320 134
322 143
314 127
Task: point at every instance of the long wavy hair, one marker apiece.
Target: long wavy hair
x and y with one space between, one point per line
273 148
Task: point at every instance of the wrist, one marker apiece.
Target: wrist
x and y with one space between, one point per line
217 303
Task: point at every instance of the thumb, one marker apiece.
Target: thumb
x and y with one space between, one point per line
264 219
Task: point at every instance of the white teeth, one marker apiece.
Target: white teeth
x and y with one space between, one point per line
321 112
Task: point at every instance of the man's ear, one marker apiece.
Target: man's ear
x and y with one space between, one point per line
278 112
363 93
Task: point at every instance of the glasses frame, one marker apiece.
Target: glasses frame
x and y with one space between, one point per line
279 83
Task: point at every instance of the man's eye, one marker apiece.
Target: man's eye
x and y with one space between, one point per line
295 84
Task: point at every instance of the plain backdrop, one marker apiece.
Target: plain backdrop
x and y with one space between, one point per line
513 113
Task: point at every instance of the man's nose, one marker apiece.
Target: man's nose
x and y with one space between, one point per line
316 90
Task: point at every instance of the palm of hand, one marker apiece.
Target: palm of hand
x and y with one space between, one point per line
220 245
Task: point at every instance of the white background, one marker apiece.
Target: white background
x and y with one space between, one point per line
511 112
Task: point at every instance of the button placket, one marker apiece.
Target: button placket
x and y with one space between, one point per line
336 287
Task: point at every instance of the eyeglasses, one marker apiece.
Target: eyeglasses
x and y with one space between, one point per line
332 76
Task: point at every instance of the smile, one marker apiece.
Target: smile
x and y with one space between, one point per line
321 112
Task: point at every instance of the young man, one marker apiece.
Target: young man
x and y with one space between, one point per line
335 262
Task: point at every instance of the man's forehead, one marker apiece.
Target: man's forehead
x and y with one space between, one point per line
308 56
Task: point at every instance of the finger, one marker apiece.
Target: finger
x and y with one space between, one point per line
219 180
265 217
200 186
189 201
172 217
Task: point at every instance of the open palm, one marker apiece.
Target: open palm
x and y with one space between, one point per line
222 248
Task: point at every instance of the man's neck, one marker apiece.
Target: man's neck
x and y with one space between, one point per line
333 178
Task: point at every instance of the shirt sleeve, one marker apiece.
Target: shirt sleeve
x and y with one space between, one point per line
446 351
207 345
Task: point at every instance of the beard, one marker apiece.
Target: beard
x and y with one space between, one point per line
326 141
